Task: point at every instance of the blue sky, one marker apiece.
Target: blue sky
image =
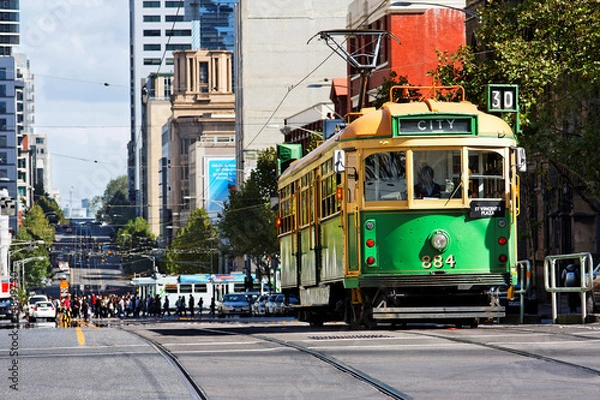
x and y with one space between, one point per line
74 48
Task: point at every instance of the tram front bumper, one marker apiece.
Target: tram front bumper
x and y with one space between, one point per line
437 313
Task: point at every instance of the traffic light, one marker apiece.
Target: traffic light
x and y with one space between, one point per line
286 154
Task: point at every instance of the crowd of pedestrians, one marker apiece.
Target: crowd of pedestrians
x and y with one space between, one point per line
126 306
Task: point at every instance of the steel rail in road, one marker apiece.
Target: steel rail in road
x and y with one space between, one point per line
523 353
361 376
195 390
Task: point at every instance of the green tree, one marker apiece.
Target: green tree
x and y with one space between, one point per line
193 247
37 230
248 223
135 239
115 202
51 209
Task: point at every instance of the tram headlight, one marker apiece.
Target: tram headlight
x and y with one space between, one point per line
439 240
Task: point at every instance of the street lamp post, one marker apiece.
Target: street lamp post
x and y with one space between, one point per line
23 262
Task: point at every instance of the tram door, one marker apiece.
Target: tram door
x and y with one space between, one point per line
352 221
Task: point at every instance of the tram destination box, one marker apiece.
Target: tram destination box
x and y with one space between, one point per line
486 209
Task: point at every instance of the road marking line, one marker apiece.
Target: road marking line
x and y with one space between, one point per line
80 336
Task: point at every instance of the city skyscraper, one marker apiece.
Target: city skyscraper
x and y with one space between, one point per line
156 29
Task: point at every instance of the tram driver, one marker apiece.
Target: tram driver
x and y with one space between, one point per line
426 186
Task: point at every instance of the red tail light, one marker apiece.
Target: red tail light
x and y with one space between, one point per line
370 243
502 241
339 193
370 260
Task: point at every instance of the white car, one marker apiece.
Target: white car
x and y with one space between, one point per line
31 302
43 310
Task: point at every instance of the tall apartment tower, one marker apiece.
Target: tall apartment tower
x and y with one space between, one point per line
156 29
9 27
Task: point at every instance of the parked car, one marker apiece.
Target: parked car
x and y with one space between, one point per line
43 310
259 306
275 301
285 308
31 302
234 304
9 309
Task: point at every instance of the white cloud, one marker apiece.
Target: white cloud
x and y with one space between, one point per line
74 47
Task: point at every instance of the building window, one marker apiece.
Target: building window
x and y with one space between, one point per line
178 46
2 107
174 18
169 61
167 86
152 47
152 4
3 157
178 32
173 4
3 73
2 90
151 18
2 124
151 32
39 140
3 141
3 173
151 61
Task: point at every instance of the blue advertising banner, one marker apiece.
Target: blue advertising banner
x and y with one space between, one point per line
221 174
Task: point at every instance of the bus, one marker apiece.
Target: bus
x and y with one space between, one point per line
407 214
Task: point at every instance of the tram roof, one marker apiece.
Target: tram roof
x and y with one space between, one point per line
377 123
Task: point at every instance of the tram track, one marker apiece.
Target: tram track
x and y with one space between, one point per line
372 382
523 353
192 386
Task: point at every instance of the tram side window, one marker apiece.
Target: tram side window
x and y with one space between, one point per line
171 288
329 183
436 174
187 288
385 176
486 174
287 210
200 288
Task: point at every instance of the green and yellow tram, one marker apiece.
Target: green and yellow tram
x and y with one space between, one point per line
408 213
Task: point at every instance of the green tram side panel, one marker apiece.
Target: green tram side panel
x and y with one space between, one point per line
289 273
332 236
308 276
404 248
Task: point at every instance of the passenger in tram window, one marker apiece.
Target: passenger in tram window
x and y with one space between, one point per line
426 187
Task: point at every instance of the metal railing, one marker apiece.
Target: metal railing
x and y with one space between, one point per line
552 271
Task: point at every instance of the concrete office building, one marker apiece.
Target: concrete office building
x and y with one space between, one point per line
275 67
157 28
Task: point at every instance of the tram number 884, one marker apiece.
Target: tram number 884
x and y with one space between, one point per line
437 261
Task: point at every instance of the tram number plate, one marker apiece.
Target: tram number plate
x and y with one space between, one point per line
438 261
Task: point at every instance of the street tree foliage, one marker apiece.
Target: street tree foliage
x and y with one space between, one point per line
115 206
135 239
551 50
51 209
35 230
195 248
248 223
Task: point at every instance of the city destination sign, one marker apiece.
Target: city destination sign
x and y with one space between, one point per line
449 125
